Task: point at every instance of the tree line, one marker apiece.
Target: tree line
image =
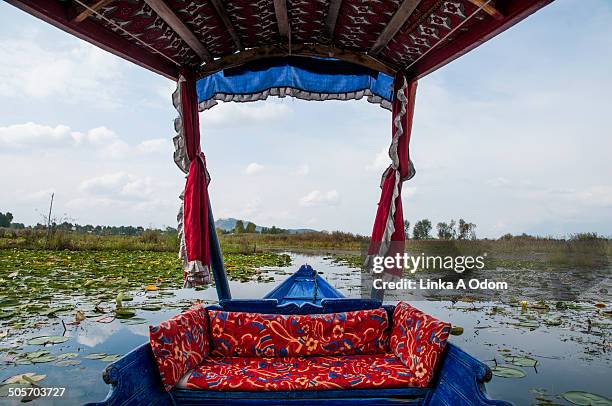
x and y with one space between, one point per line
461 230
6 220
251 228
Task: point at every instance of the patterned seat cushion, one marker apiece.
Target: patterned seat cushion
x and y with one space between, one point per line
418 339
237 334
301 373
180 344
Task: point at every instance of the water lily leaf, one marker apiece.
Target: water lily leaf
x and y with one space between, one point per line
68 355
529 324
110 358
456 331
79 316
119 300
96 355
125 313
68 363
21 378
600 305
521 361
586 399
48 340
508 372
134 321
35 354
151 307
44 358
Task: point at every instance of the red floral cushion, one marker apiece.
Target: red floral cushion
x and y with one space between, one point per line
301 373
418 339
180 344
236 334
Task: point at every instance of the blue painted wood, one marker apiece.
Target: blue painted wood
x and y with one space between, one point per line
304 286
459 382
416 394
134 380
216 259
271 306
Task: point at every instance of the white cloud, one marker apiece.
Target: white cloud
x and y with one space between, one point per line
109 144
31 136
498 182
235 115
318 198
154 146
118 185
253 168
36 196
381 161
20 136
303 170
81 73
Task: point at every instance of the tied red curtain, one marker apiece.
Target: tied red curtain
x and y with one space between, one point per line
388 234
193 218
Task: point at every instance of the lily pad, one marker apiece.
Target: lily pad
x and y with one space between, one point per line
28 377
110 358
43 359
151 307
68 363
67 355
521 361
529 324
125 313
48 340
456 331
586 399
508 372
96 355
34 354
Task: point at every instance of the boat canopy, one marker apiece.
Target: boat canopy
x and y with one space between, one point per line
300 77
246 50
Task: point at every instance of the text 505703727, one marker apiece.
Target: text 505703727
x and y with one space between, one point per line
36 391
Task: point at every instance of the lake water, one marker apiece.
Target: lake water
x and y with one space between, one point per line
571 354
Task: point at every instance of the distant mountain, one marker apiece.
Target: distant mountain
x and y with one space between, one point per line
229 224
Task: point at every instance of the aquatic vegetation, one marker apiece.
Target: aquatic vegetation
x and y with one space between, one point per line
36 286
508 372
586 399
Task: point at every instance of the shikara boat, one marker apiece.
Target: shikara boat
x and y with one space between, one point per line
459 381
248 50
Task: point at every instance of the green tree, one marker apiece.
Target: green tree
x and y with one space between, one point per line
251 228
406 227
466 230
421 230
446 231
6 219
239 227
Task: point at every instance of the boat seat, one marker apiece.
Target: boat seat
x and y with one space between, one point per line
300 373
223 351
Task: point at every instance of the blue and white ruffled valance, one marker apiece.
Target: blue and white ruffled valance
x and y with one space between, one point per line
303 78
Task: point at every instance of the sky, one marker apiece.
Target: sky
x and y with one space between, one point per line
515 137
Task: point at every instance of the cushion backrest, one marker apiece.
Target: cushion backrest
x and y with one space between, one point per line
238 334
418 340
180 344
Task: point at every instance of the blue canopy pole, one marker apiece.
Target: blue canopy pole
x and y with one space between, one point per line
216 259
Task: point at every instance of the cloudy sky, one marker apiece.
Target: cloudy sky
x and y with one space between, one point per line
515 136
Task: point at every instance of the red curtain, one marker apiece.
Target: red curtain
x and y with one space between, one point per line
388 234
195 200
